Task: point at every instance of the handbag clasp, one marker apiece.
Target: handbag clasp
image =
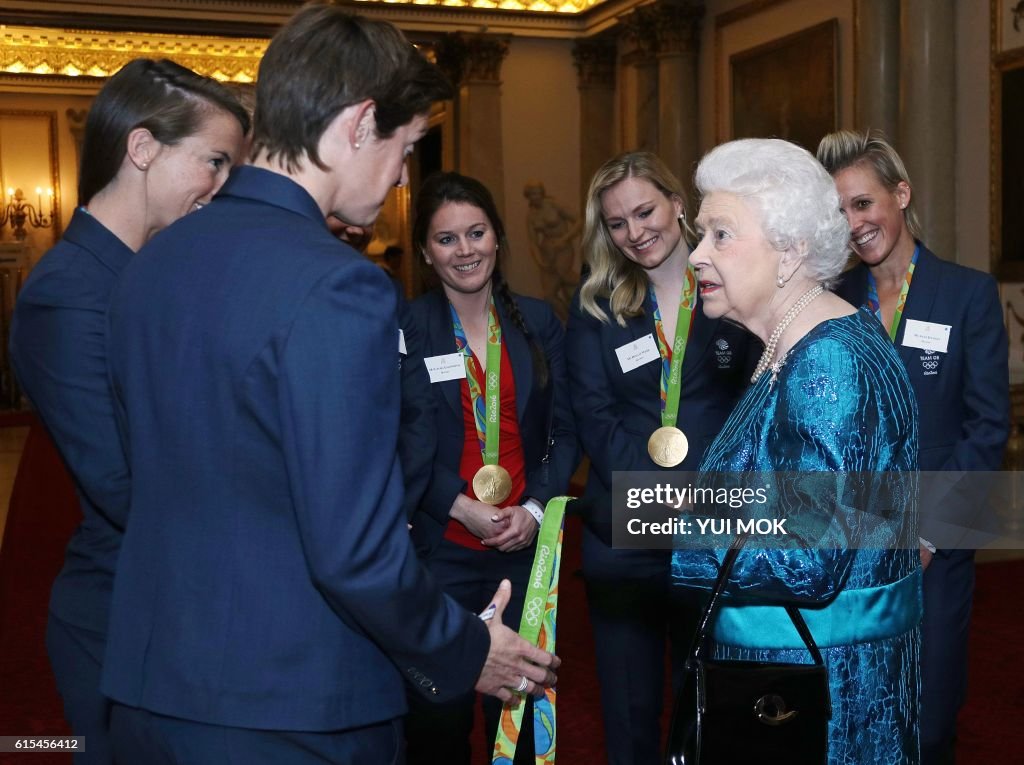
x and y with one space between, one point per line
771 710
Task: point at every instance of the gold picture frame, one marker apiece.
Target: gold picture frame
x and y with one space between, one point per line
1007 139
786 88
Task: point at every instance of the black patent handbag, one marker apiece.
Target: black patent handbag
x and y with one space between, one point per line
730 712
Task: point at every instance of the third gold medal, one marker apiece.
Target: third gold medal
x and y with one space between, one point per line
491 483
668 445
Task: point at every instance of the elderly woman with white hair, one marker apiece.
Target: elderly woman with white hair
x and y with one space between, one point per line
830 400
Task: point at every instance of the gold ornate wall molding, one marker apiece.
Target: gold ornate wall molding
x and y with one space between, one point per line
535 6
93 53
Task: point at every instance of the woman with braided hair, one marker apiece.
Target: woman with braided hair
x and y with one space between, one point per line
493 357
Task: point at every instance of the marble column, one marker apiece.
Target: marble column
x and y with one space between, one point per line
639 69
677 26
876 63
927 138
473 63
595 67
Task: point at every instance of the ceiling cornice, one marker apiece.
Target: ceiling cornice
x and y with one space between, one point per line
238 18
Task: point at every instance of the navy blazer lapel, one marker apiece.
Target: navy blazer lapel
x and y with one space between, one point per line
519 357
441 336
923 289
853 286
637 327
701 332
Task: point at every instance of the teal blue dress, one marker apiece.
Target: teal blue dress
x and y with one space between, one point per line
833 437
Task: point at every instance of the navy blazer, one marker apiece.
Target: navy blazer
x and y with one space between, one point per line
534 407
963 395
616 412
59 353
266 578
417 441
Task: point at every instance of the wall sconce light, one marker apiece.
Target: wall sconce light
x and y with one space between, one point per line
17 211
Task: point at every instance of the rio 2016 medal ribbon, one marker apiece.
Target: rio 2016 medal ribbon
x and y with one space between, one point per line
668 446
537 626
491 483
875 305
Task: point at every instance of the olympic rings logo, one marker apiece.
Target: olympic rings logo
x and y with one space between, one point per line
533 611
930 364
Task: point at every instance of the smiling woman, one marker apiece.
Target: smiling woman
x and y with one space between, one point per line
657 413
505 437
159 141
962 388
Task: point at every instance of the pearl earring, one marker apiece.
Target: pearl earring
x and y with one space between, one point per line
780 281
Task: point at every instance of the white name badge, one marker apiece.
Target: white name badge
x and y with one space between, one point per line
637 353
401 343
927 335
450 366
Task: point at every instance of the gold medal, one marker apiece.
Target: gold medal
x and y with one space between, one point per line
667 446
492 484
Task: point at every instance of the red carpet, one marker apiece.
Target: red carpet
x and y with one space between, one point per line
43 513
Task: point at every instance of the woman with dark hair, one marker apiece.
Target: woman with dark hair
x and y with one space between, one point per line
634 319
479 516
159 142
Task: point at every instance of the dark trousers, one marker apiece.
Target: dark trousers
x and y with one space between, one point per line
144 738
440 733
948 597
636 617
76 656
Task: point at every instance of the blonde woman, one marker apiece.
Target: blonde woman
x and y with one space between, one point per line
640 294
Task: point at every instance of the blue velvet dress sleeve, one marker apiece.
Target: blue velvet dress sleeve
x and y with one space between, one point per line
838 414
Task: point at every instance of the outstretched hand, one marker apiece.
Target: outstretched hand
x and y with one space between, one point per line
510 658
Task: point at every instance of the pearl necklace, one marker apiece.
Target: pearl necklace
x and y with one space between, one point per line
769 349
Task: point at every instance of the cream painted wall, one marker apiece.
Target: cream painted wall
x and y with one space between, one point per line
540 125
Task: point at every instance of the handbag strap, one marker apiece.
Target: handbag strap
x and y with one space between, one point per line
700 639
549 441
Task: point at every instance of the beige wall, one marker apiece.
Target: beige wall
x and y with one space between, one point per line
540 123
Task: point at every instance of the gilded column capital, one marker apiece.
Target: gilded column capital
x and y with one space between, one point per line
639 35
595 62
677 26
472 57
